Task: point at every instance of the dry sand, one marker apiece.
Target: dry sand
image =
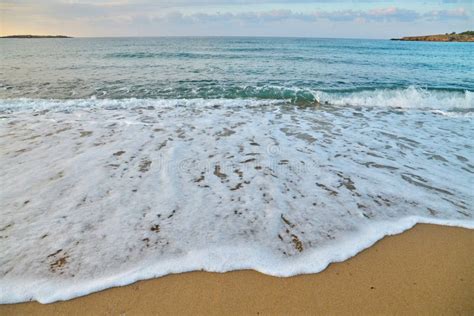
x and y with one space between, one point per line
427 270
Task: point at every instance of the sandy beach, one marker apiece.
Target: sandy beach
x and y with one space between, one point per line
426 270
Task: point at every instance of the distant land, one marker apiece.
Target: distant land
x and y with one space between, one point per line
467 36
36 36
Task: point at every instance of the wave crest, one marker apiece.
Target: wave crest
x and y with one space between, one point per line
411 97
251 96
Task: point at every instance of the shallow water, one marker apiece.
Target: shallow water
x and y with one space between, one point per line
99 192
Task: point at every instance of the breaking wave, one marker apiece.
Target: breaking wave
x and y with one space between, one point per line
407 98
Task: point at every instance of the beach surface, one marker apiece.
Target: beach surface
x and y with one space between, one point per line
426 270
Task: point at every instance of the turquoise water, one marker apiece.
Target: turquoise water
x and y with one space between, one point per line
262 68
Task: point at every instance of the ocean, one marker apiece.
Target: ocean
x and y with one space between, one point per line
131 158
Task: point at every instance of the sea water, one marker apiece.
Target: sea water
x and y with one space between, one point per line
130 158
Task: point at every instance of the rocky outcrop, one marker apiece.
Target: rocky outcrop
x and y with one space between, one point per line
35 36
452 37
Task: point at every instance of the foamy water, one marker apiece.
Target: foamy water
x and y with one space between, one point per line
131 158
100 193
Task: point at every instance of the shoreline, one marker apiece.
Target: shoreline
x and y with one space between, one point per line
425 269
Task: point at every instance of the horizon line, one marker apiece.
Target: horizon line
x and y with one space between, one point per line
194 36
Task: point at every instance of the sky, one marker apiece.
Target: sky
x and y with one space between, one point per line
302 18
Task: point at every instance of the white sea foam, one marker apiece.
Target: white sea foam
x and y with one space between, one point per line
100 193
15 105
411 97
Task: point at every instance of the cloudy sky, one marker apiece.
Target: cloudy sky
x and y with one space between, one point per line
312 18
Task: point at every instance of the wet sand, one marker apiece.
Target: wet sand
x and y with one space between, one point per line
428 269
